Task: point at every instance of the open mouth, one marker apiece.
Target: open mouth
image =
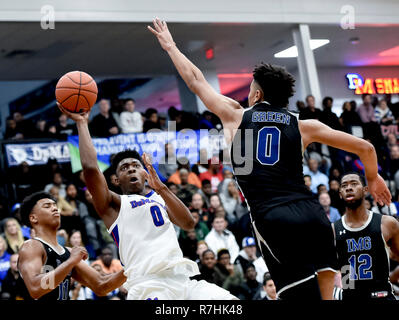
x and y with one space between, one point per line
134 179
350 197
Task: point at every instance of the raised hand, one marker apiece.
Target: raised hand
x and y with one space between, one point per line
152 176
162 33
379 190
77 117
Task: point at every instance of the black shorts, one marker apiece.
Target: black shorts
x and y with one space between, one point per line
297 241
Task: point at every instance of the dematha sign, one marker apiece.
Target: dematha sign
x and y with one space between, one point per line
36 153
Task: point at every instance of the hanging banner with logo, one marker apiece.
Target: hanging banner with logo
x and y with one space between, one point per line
36 153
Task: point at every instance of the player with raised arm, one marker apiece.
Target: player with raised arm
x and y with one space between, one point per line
45 266
293 233
141 225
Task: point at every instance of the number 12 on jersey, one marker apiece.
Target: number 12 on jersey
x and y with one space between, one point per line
268 146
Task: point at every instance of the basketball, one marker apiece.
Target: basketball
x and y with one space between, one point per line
76 91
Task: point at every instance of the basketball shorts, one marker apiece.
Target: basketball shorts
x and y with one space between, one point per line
297 241
176 287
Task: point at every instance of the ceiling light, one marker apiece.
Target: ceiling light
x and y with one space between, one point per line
292 52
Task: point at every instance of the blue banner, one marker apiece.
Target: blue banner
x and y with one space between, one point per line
36 153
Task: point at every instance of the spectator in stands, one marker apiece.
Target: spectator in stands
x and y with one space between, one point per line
200 227
25 179
331 212
321 188
104 124
335 197
349 117
220 237
394 107
198 204
168 163
247 254
317 177
12 131
392 140
152 121
41 130
229 275
131 121
201 247
13 287
185 189
214 205
230 200
394 165
213 174
206 120
57 182
24 126
184 163
300 106
207 267
4 259
366 110
206 191
269 288
310 112
308 181
13 235
64 129
383 114
251 286
69 215
107 263
327 116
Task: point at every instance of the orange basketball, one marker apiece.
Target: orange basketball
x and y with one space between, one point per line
76 91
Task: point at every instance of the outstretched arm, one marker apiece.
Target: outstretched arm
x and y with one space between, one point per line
315 131
177 211
221 105
30 265
106 202
101 284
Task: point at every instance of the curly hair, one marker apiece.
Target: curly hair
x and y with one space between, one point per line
276 83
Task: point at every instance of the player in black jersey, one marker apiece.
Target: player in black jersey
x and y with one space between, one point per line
45 266
365 242
292 230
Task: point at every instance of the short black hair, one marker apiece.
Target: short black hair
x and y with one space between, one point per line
325 100
124 155
205 181
266 278
276 82
222 252
129 99
361 177
29 202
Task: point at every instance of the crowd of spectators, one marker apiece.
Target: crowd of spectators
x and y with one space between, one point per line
221 241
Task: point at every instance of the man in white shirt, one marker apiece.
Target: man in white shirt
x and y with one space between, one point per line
221 238
131 121
317 177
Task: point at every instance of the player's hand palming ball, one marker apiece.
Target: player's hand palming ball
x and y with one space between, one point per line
76 92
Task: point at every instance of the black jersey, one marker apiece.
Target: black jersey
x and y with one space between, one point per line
363 259
53 260
266 155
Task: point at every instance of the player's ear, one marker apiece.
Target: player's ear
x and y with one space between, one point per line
365 189
32 219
